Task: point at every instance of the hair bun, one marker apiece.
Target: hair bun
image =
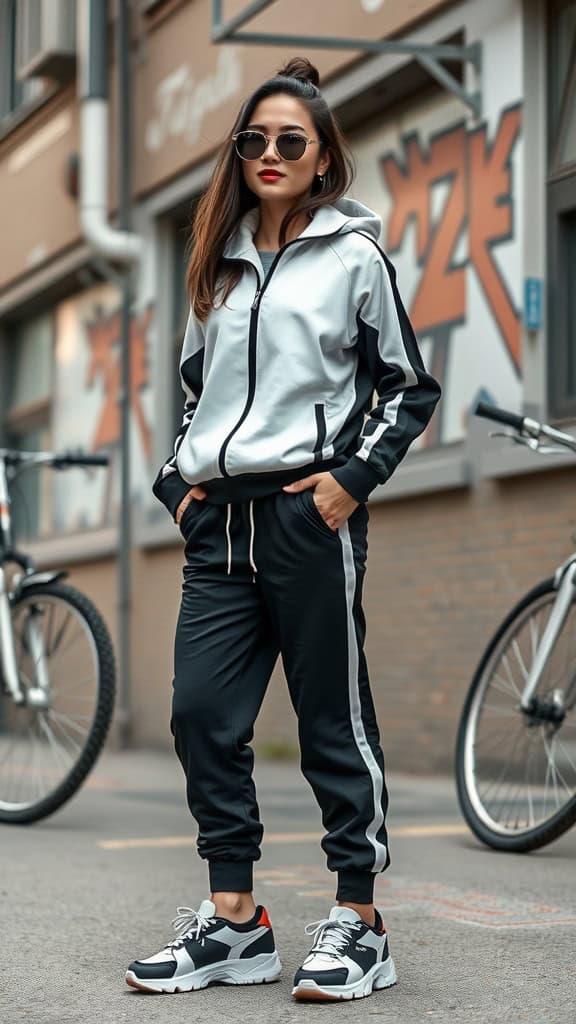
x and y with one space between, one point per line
300 67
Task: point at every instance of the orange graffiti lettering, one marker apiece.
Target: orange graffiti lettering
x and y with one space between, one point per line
479 202
104 340
490 212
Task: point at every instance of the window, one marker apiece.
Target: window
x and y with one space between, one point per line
180 308
26 422
562 208
14 94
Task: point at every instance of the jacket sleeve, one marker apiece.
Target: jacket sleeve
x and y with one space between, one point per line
169 486
407 394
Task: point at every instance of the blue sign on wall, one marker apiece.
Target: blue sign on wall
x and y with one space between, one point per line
533 303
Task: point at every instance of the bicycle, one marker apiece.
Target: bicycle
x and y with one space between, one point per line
57 669
516 743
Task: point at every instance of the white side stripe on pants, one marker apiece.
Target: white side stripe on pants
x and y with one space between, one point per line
380 852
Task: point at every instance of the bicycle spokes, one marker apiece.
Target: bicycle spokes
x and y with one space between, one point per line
521 763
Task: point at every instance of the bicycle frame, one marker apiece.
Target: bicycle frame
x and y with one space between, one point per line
565 580
38 695
530 433
8 665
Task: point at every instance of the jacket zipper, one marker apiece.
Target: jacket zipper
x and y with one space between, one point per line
252 339
254 310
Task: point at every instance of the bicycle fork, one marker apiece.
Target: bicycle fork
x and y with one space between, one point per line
38 695
566 581
7 648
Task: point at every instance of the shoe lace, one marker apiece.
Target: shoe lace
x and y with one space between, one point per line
331 936
188 923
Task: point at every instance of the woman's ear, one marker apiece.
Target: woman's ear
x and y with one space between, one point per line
324 162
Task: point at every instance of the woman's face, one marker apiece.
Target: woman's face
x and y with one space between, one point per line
275 114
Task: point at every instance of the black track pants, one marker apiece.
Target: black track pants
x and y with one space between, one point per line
263 578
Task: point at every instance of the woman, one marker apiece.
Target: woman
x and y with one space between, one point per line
295 321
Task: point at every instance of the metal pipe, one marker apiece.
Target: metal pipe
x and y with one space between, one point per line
439 51
124 219
117 245
121 246
237 20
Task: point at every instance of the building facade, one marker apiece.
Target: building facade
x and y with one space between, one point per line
479 217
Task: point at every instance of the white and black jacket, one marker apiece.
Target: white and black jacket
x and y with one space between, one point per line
280 381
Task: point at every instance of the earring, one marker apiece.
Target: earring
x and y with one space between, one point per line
321 181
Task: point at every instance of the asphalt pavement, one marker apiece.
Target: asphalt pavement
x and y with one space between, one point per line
476 935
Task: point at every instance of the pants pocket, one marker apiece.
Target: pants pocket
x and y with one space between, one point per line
191 513
313 513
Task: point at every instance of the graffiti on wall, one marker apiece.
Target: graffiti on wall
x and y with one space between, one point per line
477 216
181 102
86 408
103 334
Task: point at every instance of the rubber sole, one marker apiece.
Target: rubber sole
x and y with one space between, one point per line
258 970
378 977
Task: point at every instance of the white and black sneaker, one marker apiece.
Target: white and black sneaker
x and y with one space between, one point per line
348 960
209 948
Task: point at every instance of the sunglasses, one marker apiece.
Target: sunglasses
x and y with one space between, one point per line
251 145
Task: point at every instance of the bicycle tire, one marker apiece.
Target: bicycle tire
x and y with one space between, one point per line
104 705
546 831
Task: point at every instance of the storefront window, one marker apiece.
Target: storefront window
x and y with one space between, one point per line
27 419
13 93
180 308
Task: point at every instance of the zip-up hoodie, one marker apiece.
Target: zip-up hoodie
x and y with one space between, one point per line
279 382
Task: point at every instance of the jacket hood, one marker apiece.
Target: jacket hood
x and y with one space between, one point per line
337 218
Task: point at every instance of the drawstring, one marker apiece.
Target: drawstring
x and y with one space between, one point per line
252 537
252 532
228 519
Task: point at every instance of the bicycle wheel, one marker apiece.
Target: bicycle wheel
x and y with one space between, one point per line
46 753
516 770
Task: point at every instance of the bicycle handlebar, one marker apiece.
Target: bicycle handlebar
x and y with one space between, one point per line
492 412
57 460
60 461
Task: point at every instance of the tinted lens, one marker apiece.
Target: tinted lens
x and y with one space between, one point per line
250 145
290 146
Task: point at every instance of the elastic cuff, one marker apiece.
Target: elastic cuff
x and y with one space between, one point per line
170 490
355 887
231 875
356 477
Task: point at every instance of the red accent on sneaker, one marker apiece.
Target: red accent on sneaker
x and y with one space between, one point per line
264 919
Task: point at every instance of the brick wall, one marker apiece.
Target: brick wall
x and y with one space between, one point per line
443 569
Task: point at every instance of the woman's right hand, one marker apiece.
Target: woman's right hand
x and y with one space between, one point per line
195 492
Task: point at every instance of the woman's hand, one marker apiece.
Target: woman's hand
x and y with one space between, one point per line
195 492
334 503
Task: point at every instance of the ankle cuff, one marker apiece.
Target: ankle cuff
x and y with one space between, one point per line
231 876
355 887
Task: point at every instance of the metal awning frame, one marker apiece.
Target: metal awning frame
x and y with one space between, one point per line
429 55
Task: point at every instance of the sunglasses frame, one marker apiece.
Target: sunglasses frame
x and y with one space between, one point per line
256 131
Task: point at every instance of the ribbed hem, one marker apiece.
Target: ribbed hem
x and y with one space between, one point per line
355 887
231 875
170 490
356 477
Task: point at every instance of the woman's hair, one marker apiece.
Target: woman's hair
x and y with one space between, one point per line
227 197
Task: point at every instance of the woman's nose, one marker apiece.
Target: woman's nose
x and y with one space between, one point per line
270 148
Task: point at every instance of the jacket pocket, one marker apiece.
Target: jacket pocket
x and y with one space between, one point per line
320 430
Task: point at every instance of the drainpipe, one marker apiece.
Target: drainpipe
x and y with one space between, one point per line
117 245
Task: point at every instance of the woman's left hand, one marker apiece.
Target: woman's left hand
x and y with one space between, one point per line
334 503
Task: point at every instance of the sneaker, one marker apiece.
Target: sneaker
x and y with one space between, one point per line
348 959
209 948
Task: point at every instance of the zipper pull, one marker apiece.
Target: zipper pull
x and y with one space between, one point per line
256 297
